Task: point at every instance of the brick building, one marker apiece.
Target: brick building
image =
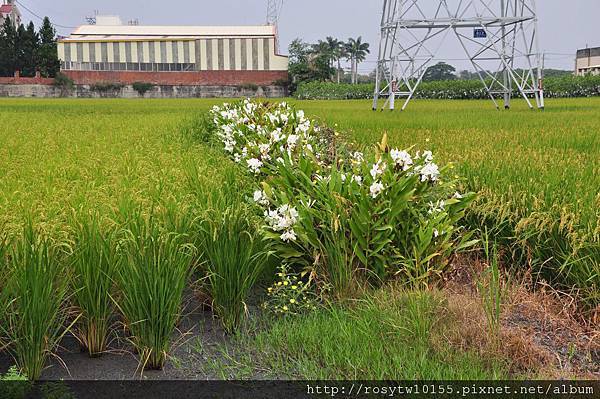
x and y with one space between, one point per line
173 55
9 10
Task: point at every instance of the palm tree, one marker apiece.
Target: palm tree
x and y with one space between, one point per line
356 53
338 51
324 49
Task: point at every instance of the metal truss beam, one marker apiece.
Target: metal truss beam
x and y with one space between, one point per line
502 46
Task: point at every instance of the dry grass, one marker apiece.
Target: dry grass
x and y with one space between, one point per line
543 334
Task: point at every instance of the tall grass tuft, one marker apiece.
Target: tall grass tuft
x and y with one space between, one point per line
233 258
491 290
232 252
152 278
37 289
94 263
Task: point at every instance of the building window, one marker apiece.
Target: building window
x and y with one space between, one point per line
128 66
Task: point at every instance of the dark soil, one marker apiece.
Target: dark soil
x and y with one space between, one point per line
196 344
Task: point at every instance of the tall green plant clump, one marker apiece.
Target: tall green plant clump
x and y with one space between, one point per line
233 258
338 212
94 263
35 297
156 268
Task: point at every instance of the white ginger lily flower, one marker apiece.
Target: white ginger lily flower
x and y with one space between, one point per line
254 165
376 189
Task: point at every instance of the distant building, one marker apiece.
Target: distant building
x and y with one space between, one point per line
9 10
588 61
172 55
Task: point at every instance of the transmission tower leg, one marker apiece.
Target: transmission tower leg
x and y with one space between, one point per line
376 93
508 89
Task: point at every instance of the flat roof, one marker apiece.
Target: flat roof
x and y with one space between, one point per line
588 52
124 32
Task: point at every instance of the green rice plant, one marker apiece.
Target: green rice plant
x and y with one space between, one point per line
155 270
94 263
233 258
37 290
491 290
4 273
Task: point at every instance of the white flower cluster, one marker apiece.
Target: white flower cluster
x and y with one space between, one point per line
437 207
429 171
283 220
261 198
266 137
257 134
401 159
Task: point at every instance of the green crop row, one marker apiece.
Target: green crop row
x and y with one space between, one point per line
108 216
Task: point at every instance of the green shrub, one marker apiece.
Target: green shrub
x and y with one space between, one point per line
154 273
330 211
62 80
142 87
37 289
64 83
333 91
566 86
398 221
106 87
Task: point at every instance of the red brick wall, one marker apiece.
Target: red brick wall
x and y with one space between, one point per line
26 81
220 78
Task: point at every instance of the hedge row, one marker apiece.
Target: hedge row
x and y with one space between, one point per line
568 86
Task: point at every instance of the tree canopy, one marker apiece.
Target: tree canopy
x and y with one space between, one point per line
321 61
25 50
439 71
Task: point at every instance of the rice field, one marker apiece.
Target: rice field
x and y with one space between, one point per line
112 207
538 172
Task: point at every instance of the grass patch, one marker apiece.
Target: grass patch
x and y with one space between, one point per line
393 335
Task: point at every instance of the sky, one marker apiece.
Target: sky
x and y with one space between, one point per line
565 25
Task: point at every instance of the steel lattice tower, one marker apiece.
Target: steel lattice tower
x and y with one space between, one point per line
273 10
499 38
